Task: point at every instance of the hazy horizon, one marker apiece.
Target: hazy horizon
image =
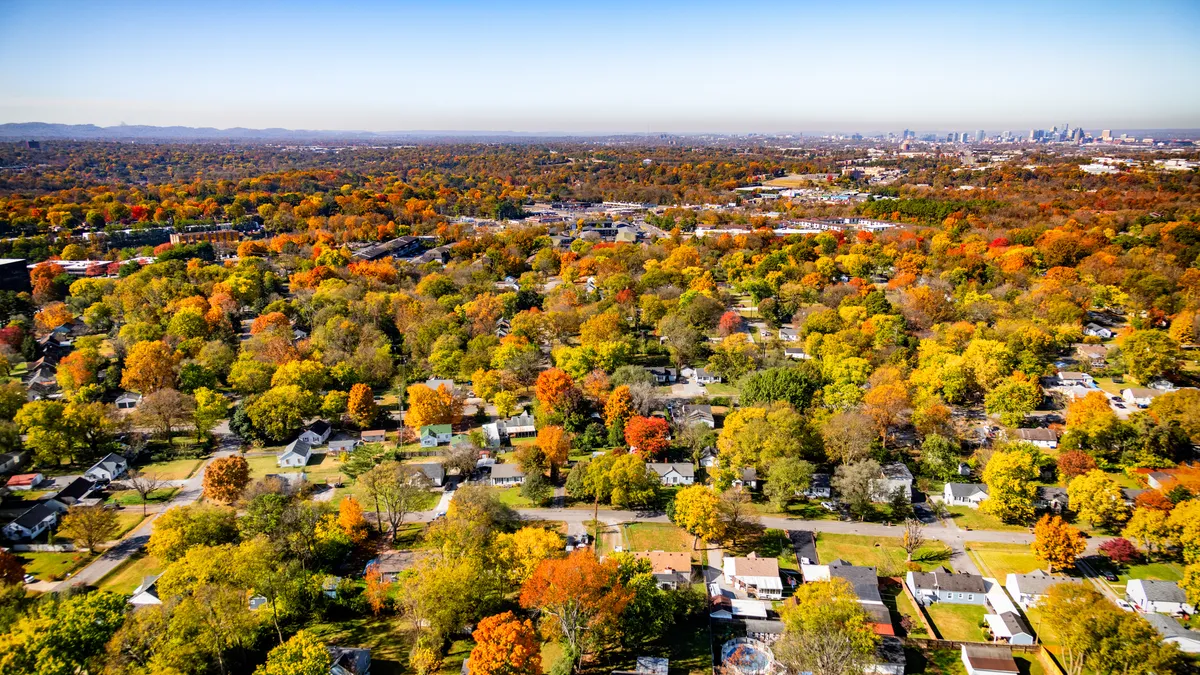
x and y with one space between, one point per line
611 68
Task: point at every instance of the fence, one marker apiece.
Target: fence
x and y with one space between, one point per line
920 609
43 548
957 644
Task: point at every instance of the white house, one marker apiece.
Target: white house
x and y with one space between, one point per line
147 592
433 435
1153 596
1140 396
894 476
1029 589
110 468
344 446
128 400
942 586
708 458
686 415
964 494
35 520
673 473
433 471
988 660
1041 437
24 481
296 454
703 376
1010 626
506 475
820 487
1067 378
316 433
1096 330
1172 632
663 375
758 576
788 335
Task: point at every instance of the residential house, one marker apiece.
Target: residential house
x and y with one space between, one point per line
1011 627
391 564
128 400
503 327
663 375
343 446
796 353
24 481
290 483
767 631
947 587
1162 597
727 609
964 494
35 520
433 383
1140 396
296 454
1041 437
1160 480
316 433
506 475
373 436
256 602
757 576
1068 378
671 569
673 473
1051 498
433 435
1130 495
894 476
518 426
434 471
1096 330
820 487
10 461
626 236
1094 355
110 468
1172 632
41 374
349 660
864 581
76 491
1029 589
747 479
147 592
788 335
703 376
988 660
708 458
686 415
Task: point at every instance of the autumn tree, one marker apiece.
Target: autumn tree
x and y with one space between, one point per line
302 654
1009 475
225 478
166 410
1120 551
848 437
1074 463
149 366
697 511
1150 527
729 323
855 484
556 391
1013 398
12 571
885 404
618 409
144 484
1097 636
351 520
89 526
1150 354
914 537
578 597
396 488
210 408
522 551
555 445
378 589
1056 543
1096 498
505 645
648 436
428 406
361 406
826 630
1185 521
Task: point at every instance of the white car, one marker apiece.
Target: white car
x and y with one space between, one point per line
829 506
1125 606
30 579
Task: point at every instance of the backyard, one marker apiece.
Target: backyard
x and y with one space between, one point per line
884 553
957 622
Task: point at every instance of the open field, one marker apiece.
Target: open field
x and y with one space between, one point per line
660 537
957 622
127 577
884 553
973 519
175 469
998 560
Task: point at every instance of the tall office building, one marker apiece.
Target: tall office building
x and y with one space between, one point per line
1106 135
979 136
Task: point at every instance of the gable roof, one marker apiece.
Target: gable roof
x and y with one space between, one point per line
149 582
865 580
1015 624
110 463
755 567
297 447
1168 627
684 469
506 471
945 581
1038 434
987 657
320 427
1036 582
78 489
436 429
1158 591
661 561
432 470
24 479
966 490
896 471
31 517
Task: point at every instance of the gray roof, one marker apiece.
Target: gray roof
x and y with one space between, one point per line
434 471
78 489
1168 627
1036 582
1162 591
297 446
506 471
896 471
865 580
663 468
1039 434
946 581
964 490
1015 624
110 463
763 626
148 585
1049 493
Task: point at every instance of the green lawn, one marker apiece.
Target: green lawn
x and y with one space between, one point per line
803 509
656 537
901 607
957 622
53 566
973 519
884 553
1163 571
388 637
127 520
132 498
933 661
512 497
28 495
721 389
998 560
176 469
130 574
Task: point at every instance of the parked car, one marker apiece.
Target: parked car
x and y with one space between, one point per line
1109 576
829 506
30 579
1124 605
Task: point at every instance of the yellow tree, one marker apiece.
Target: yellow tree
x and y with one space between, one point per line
351 520
426 406
225 478
698 511
1097 498
1056 543
1090 412
1009 476
1151 528
519 553
149 366
555 446
885 404
1185 519
361 406
619 406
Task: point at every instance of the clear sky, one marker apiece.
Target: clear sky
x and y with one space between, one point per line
579 66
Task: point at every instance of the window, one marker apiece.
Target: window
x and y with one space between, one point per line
970 596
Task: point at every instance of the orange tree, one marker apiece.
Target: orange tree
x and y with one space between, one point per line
361 406
556 391
225 478
427 406
619 406
11 569
555 445
647 435
1056 543
351 520
579 598
150 366
505 645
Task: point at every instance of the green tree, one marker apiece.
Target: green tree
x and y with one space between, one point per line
62 637
211 408
1009 475
181 528
1150 354
794 384
1013 398
789 477
854 482
1097 498
280 413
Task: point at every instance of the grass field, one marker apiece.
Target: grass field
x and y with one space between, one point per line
721 389
973 519
127 577
132 498
127 520
957 622
884 553
175 469
388 637
52 566
998 560
512 497
660 537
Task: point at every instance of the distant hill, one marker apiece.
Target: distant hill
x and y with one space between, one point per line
41 131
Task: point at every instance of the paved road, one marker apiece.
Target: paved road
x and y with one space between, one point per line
190 491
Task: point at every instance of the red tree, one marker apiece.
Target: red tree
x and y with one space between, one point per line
11 569
730 323
556 390
1120 551
1074 463
1155 500
648 436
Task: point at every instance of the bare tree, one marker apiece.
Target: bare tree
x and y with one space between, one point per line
737 513
396 488
914 536
144 484
645 401
166 410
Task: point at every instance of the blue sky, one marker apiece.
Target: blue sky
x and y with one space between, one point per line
644 66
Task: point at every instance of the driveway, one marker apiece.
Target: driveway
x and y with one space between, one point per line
805 544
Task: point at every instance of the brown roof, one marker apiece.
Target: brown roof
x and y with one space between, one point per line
756 567
661 561
990 658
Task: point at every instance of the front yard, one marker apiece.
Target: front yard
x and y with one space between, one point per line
175 469
968 518
886 554
53 566
998 560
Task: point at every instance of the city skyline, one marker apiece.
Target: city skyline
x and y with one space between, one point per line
615 68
